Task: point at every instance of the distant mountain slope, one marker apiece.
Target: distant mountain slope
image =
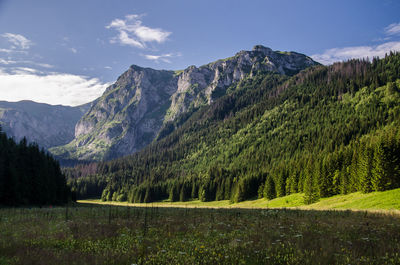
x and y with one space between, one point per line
145 103
45 124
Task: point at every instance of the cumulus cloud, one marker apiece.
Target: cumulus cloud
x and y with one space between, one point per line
52 88
357 52
342 54
393 29
19 41
132 32
73 50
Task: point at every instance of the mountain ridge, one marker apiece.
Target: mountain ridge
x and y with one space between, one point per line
131 112
47 125
327 130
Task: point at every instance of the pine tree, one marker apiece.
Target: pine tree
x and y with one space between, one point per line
310 188
365 169
195 189
182 194
220 191
174 192
260 192
269 188
344 180
380 180
228 187
354 177
281 184
148 196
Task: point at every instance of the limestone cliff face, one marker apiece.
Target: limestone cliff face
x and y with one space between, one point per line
131 112
125 118
197 86
47 125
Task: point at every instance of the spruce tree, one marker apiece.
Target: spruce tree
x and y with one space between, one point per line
310 188
365 169
269 188
380 180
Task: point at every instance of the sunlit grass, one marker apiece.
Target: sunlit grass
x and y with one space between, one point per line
386 200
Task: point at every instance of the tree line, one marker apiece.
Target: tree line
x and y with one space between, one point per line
29 175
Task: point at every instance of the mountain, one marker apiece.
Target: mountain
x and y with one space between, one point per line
47 125
324 131
145 104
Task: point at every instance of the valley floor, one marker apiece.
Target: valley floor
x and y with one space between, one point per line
116 235
386 200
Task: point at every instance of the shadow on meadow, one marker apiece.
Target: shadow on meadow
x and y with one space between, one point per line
93 234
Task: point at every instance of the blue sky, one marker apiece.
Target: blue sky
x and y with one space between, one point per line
67 52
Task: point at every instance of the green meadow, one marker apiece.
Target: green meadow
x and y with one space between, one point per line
279 231
386 200
105 234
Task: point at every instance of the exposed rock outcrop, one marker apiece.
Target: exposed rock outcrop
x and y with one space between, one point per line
131 112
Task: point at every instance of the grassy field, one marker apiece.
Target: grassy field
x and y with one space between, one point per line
387 200
251 232
96 234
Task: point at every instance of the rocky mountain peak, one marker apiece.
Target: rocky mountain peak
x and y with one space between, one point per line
132 111
263 49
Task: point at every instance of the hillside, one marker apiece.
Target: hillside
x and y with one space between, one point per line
325 131
47 125
29 176
146 104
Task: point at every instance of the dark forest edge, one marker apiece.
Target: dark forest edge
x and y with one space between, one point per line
29 175
325 131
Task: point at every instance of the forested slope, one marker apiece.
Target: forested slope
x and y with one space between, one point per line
324 131
28 175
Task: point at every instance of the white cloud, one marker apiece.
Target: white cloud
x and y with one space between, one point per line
3 61
156 58
73 50
162 57
393 29
44 65
131 32
51 88
108 67
24 62
6 50
19 41
342 54
24 70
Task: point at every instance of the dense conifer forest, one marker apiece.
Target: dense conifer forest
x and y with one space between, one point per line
327 130
29 175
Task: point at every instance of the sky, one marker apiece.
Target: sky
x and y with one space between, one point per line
68 52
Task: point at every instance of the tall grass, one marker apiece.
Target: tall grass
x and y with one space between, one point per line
93 234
